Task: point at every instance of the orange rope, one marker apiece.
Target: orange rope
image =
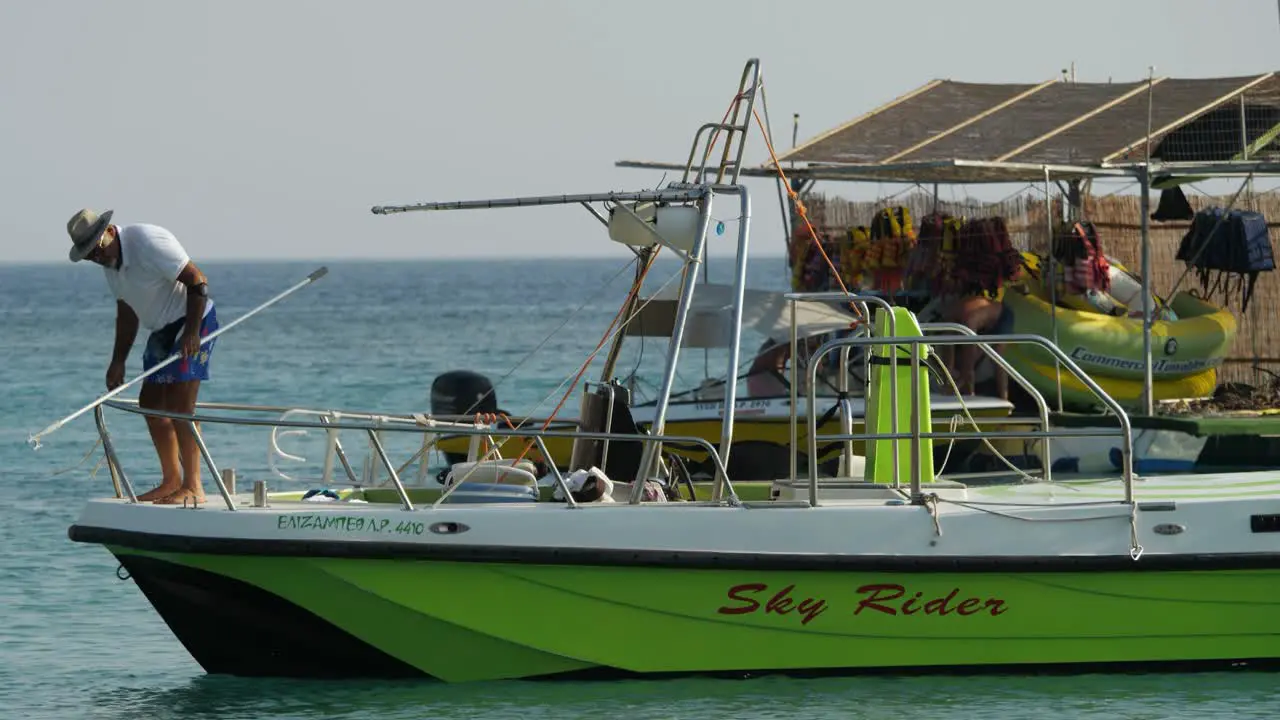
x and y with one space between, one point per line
715 135
802 211
635 289
489 418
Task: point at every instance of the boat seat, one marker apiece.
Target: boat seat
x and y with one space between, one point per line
623 461
476 493
501 471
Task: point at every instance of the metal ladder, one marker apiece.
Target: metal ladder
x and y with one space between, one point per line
735 126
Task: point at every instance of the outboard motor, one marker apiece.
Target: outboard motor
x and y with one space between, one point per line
462 392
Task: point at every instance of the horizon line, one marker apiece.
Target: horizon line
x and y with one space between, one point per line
390 258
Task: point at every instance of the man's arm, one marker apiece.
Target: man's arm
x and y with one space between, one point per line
126 331
197 294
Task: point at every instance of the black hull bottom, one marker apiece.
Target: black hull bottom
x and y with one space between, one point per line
231 627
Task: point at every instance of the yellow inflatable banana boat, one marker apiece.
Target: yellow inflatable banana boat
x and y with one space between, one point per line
1189 339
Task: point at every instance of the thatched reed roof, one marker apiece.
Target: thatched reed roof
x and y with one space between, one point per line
950 131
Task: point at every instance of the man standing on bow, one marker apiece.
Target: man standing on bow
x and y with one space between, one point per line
155 285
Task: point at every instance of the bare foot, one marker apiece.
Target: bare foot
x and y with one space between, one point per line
165 489
182 497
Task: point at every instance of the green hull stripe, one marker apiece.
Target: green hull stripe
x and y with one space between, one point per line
468 621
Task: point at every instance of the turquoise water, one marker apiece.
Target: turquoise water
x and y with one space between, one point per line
77 642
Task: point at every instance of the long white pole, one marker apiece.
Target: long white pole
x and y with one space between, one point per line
315 275
1144 207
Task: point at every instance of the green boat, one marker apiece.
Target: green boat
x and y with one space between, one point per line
621 567
281 601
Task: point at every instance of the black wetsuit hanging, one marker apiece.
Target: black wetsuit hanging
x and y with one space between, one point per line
1223 246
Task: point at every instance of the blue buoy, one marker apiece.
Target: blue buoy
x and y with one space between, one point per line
719 227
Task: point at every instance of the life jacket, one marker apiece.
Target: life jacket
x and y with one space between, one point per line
894 222
892 239
854 246
1239 248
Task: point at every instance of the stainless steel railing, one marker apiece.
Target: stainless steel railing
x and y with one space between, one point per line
1046 455
915 435
407 424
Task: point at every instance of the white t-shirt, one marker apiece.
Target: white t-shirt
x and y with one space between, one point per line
147 280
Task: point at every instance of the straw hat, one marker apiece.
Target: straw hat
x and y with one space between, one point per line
86 228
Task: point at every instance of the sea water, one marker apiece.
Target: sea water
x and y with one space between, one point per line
77 642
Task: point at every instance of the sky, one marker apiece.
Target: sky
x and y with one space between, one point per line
266 129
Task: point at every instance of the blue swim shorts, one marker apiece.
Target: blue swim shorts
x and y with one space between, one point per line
167 340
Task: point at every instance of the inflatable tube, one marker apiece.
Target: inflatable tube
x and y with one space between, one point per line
1186 350
1126 391
1112 346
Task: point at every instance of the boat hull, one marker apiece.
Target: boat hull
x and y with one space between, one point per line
317 616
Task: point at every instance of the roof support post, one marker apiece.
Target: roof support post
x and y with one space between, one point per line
1144 209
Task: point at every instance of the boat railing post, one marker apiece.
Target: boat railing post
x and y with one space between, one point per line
866 352
795 392
342 458
1046 458
330 446
208 460
653 448
555 471
608 423
118 474
846 412
386 462
735 332
894 410
863 330
811 420
428 442
377 439
1126 429
111 466
916 496
115 480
